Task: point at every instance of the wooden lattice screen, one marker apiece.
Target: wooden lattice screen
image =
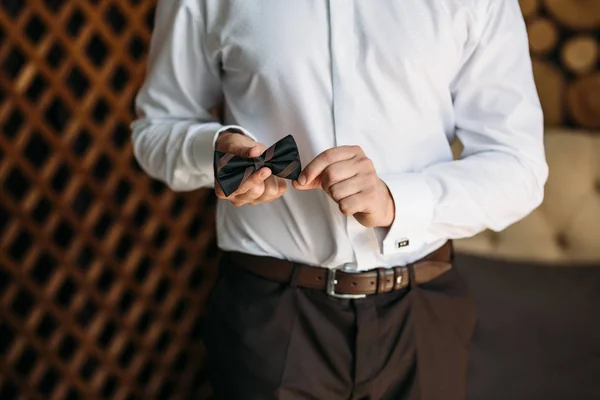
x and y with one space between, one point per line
103 272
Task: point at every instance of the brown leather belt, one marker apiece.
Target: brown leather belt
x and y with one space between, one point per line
344 284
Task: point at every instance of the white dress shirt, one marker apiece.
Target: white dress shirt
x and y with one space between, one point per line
401 79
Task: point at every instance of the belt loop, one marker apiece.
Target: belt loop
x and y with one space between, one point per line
380 280
397 278
294 276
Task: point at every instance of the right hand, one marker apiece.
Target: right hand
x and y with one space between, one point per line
261 187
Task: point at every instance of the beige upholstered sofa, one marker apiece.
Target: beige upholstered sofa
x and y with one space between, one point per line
566 228
536 287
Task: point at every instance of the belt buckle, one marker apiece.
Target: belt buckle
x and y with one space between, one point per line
331 282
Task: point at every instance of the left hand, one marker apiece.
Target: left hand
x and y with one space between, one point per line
350 179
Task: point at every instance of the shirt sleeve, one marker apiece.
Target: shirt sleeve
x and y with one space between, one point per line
501 175
174 133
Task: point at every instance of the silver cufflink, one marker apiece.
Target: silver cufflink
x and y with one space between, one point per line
402 243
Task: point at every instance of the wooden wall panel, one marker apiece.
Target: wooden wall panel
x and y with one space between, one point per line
104 272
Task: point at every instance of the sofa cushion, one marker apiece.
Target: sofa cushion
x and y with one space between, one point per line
566 227
538 334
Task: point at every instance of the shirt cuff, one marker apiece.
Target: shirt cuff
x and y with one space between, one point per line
235 128
203 139
414 203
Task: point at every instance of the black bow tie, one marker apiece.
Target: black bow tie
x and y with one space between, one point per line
282 159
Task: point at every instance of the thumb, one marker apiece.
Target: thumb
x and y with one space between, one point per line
314 184
248 151
240 145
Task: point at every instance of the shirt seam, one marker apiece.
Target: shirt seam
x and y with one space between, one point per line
203 36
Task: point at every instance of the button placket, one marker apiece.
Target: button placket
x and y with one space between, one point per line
343 67
343 47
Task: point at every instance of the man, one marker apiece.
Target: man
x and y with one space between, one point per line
373 92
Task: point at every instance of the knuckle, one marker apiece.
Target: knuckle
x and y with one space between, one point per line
344 208
328 175
256 191
335 193
366 163
328 155
334 173
370 193
255 181
281 191
372 180
258 178
271 191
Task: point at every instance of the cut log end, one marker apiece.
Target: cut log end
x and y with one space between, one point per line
580 54
543 36
584 101
529 8
575 14
551 87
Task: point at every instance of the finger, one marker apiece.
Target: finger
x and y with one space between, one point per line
315 184
241 146
339 172
271 190
283 185
251 152
219 190
246 151
353 204
256 178
348 187
326 158
274 188
250 196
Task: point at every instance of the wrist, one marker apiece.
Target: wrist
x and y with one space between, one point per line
230 131
223 135
390 208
